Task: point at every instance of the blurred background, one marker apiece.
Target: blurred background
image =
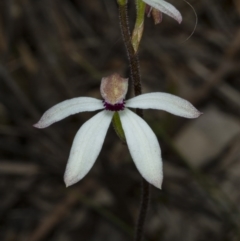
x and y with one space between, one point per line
52 50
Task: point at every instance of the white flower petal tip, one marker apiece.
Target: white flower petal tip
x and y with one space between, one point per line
39 125
164 101
159 185
166 8
179 19
192 112
156 183
198 114
69 182
86 147
143 146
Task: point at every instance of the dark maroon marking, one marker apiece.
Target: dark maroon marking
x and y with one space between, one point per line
116 107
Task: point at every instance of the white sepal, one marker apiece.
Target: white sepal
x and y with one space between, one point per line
86 147
164 101
143 146
67 108
166 8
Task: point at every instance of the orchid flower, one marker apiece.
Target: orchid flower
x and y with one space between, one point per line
166 8
142 142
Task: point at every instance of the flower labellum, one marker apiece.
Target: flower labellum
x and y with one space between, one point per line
142 142
114 89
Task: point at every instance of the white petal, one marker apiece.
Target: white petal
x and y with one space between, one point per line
164 101
143 146
67 108
86 147
166 8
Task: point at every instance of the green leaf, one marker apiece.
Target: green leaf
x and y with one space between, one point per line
139 24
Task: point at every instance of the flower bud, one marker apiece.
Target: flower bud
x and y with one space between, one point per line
113 89
157 16
155 13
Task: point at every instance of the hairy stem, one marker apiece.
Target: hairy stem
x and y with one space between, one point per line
143 210
136 79
132 56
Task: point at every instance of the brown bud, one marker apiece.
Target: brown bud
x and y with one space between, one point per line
113 88
157 16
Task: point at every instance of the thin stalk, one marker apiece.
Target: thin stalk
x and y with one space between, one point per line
132 56
136 79
143 210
